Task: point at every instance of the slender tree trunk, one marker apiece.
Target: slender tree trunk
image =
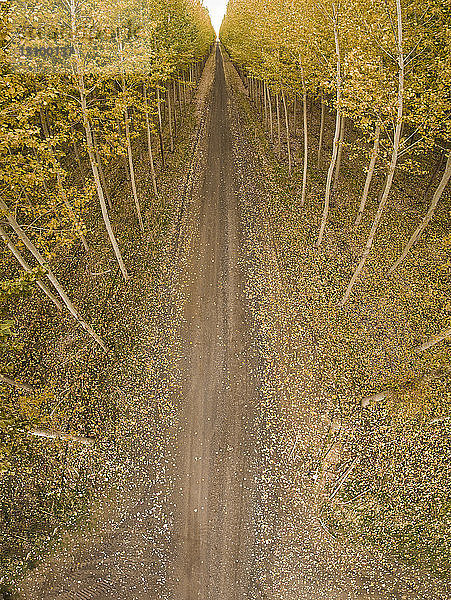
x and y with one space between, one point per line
174 103
132 169
52 278
287 127
393 162
343 478
179 90
171 136
149 144
279 137
295 123
160 125
340 152
184 89
369 175
90 143
128 143
304 174
100 169
321 132
335 143
428 216
23 263
59 435
265 87
434 340
17 384
270 113
438 166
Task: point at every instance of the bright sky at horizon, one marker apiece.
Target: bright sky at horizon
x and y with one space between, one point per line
216 8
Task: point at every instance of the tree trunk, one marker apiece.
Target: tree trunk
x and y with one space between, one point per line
335 143
132 169
179 92
160 126
270 112
184 89
287 127
174 107
17 384
171 136
52 278
295 124
20 259
279 138
343 478
60 435
340 152
321 132
393 162
149 144
304 174
369 176
428 216
434 340
265 100
438 166
100 169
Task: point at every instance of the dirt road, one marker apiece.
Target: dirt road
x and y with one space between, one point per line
213 507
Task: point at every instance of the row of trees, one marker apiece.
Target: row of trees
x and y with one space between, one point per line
384 66
374 78
81 82
92 95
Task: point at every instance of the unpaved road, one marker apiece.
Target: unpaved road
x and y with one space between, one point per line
214 473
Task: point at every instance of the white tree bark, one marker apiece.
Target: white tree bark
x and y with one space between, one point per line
434 340
287 127
393 162
171 135
270 113
369 175
428 216
132 170
305 129
160 125
149 144
17 384
279 137
59 435
89 140
50 275
340 152
333 159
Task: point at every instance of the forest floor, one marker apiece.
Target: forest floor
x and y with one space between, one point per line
226 508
